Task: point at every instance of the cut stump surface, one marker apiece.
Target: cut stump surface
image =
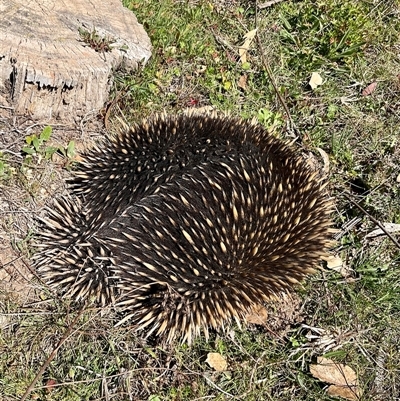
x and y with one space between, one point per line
49 71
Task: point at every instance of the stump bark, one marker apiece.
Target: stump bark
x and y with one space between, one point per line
57 57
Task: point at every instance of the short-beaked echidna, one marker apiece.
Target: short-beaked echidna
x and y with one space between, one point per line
184 222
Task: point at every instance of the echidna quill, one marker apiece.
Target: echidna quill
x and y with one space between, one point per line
185 222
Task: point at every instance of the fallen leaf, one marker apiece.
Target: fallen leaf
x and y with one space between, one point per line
217 361
249 36
343 378
331 372
242 83
348 393
369 89
315 80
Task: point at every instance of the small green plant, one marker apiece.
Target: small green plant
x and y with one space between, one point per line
6 170
269 119
69 151
36 145
95 41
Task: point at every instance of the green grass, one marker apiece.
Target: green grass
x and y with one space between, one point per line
354 315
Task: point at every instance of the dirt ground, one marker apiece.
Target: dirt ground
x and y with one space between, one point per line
27 186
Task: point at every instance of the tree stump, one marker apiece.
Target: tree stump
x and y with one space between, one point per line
57 57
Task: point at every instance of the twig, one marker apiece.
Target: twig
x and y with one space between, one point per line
52 355
378 223
218 388
12 153
109 108
3 266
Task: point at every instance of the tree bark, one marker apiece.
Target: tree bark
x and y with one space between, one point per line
49 70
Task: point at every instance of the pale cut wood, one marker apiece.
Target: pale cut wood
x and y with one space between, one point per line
47 71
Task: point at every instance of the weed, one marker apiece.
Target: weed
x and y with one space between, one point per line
36 145
95 41
7 171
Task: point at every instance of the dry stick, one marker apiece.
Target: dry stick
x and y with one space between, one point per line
52 355
10 262
270 76
109 108
378 223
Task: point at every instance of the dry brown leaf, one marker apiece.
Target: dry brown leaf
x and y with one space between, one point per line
315 80
242 83
331 372
348 393
343 378
217 361
248 38
258 315
369 89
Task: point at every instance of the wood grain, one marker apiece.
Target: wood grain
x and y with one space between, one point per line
47 71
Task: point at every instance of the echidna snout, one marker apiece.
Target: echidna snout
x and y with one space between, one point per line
186 222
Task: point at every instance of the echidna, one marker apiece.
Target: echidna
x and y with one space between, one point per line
185 222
